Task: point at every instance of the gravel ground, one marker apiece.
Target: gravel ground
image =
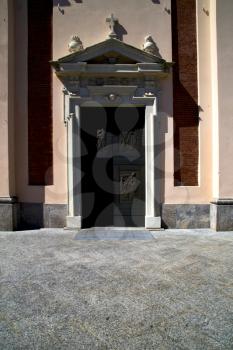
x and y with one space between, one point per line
166 290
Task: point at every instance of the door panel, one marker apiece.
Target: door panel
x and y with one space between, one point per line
113 166
129 168
95 170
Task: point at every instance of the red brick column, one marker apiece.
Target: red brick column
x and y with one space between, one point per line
185 92
40 148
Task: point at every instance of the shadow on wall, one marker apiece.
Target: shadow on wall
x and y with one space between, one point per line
68 2
156 50
62 3
65 2
186 151
120 31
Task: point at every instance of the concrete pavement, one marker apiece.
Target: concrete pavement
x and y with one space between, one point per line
62 290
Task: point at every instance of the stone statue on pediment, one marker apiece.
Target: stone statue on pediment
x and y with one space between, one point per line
150 46
75 44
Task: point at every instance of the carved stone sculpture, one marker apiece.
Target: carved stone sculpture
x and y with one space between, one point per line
112 22
149 94
128 183
112 97
100 134
75 44
150 46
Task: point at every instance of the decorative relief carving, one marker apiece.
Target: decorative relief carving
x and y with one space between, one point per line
149 94
97 81
101 136
64 90
68 118
70 91
112 97
72 87
75 44
128 184
81 87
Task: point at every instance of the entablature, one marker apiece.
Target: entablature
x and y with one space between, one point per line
96 71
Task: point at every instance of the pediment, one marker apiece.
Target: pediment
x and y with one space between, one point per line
110 51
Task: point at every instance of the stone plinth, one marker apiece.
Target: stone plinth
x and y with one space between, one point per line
9 211
221 215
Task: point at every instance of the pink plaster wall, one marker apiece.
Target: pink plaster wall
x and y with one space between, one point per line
87 20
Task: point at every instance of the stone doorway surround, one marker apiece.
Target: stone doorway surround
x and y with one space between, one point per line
94 78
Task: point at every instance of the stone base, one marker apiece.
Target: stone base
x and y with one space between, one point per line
31 216
153 222
38 215
185 216
218 215
73 222
9 211
55 215
221 215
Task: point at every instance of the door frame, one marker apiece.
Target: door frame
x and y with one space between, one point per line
117 97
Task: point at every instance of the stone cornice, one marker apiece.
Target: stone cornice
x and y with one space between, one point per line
8 200
109 45
78 69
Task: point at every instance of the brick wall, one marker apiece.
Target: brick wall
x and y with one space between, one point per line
185 92
40 151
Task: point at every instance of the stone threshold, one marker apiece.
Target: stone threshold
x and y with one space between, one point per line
113 234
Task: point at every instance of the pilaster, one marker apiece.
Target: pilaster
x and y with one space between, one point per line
7 183
152 218
222 111
73 220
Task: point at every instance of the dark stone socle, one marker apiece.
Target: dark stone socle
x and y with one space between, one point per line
8 216
184 216
24 216
221 215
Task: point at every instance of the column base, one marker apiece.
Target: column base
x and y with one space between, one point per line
54 215
221 215
153 222
9 213
73 222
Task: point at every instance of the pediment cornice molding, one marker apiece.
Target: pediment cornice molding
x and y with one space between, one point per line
77 73
109 45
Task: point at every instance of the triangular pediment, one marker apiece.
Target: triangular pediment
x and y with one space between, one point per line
111 51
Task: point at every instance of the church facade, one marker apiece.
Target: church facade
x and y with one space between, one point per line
116 114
